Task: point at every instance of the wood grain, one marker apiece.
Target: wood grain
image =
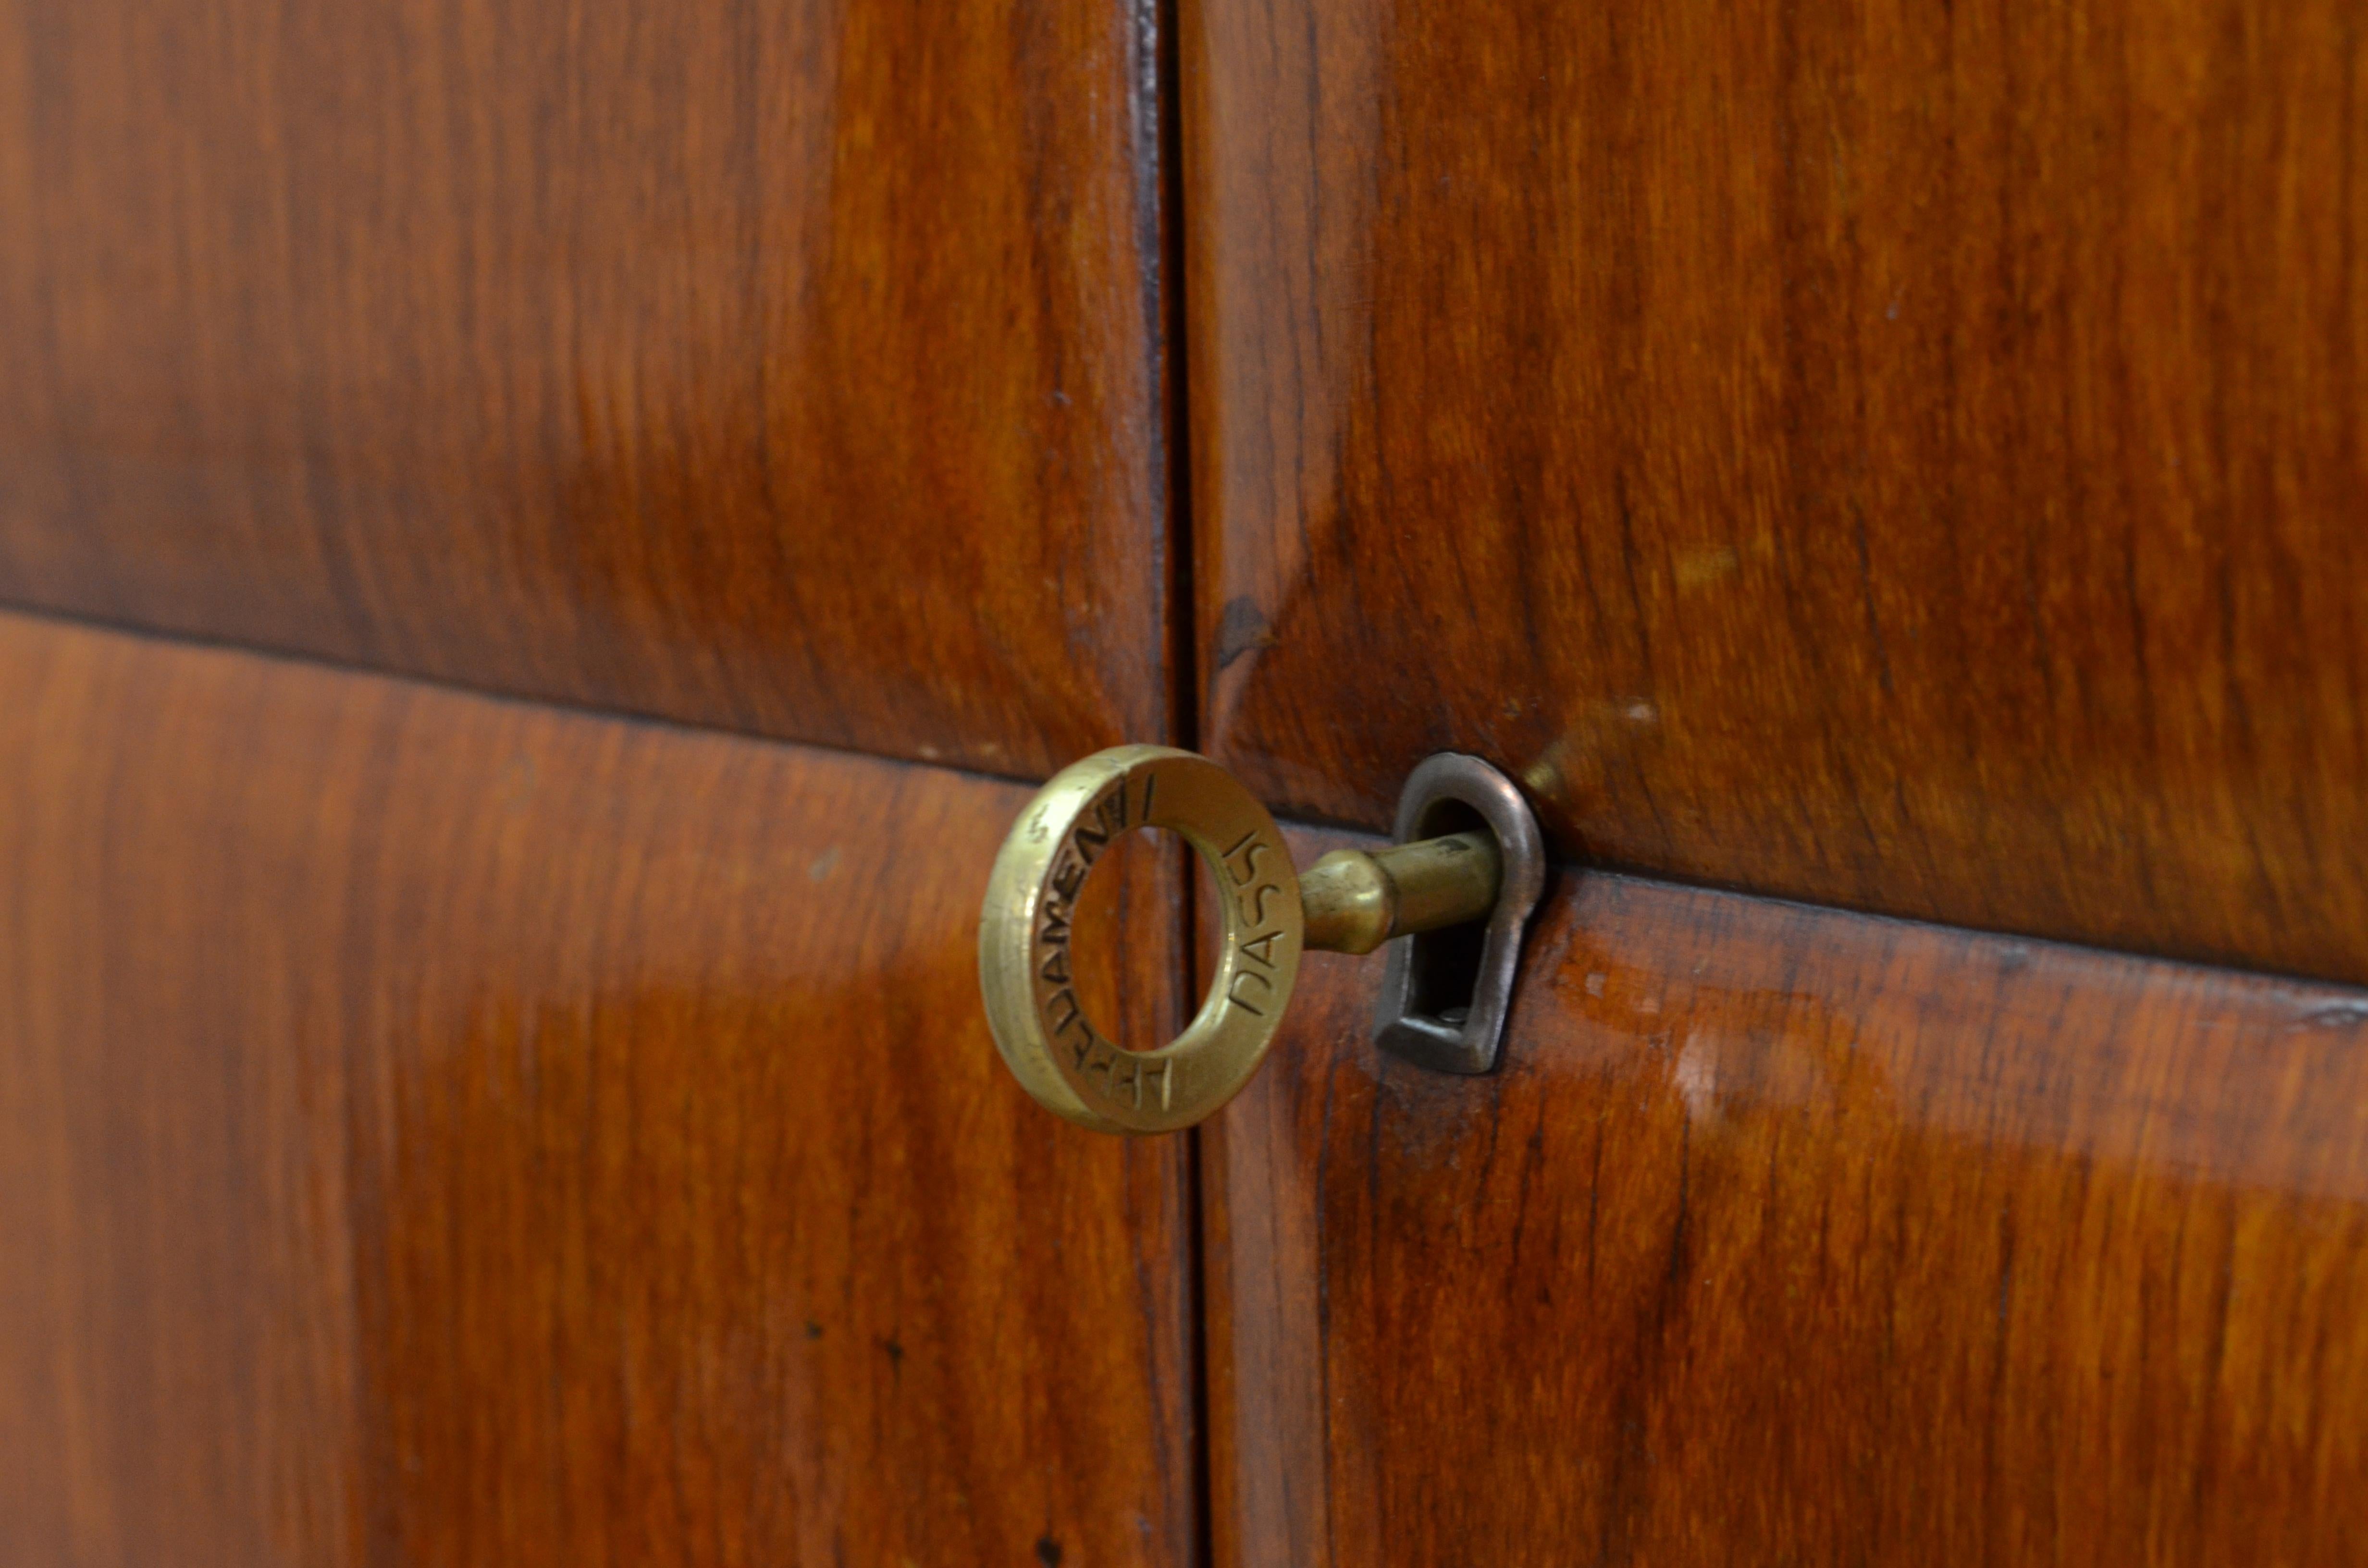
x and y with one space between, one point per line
1902 457
790 366
1790 1234
437 1129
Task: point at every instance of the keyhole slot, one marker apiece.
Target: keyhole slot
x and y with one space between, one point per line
1445 964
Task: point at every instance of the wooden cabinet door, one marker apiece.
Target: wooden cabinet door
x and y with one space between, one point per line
1794 1234
1906 459
790 366
545 540
439 1129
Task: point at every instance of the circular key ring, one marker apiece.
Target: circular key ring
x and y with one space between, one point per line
1025 960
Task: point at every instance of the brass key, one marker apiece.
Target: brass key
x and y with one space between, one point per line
1350 900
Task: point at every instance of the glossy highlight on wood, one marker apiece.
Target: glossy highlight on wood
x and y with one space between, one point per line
1789 1234
438 1129
1908 458
787 366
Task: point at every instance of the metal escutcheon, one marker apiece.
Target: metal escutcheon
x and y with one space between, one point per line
1350 900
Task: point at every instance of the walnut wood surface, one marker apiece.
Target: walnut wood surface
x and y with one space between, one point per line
784 365
437 1129
1905 457
1794 1235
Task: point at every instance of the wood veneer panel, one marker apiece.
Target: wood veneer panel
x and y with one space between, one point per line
790 366
1911 458
1788 1235
437 1129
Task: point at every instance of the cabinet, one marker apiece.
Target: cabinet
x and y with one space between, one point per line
543 546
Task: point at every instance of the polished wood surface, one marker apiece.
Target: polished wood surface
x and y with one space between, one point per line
1794 1235
1908 458
783 365
438 1129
